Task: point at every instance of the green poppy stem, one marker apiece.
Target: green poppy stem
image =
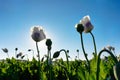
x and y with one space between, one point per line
50 66
98 61
15 54
84 52
39 64
66 57
8 55
94 43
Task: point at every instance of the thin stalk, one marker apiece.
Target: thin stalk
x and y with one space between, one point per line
84 52
49 64
78 55
50 67
33 52
15 54
94 43
66 57
98 61
8 55
27 56
39 64
66 54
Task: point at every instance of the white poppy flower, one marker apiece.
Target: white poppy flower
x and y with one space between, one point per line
104 48
86 23
37 33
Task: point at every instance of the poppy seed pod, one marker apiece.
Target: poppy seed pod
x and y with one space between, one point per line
79 28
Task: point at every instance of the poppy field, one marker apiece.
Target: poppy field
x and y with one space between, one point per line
12 69
49 67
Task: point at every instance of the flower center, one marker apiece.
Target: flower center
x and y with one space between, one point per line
37 35
88 24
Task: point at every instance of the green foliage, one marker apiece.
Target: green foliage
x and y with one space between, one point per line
28 70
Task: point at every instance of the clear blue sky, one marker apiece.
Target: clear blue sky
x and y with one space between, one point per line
58 18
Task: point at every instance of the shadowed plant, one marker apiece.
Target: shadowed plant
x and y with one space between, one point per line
24 56
86 27
57 53
51 68
38 35
98 61
19 54
49 60
5 50
16 49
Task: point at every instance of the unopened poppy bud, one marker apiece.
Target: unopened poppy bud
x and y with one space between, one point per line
48 43
79 28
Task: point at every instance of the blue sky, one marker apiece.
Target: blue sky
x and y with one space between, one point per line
58 18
